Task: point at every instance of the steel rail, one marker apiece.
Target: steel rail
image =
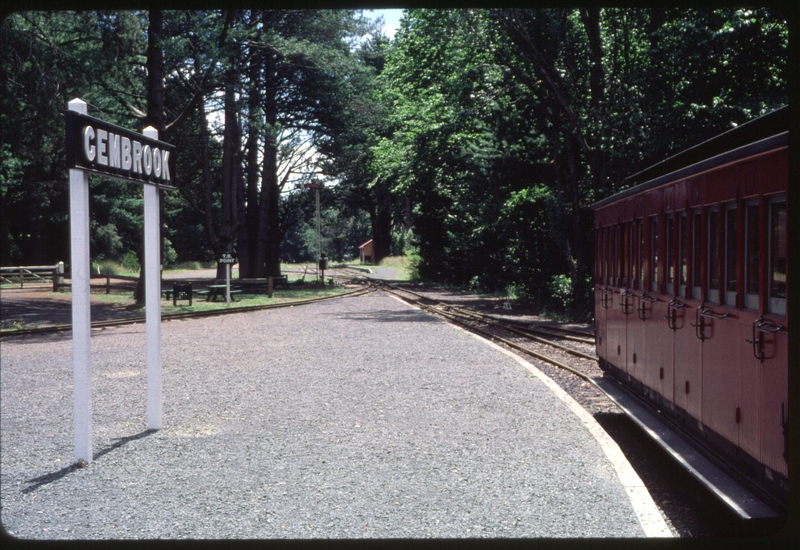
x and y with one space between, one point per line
571 334
547 331
460 321
505 326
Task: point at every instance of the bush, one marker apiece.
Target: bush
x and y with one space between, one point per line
130 262
560 289
170 256
191 265
108 267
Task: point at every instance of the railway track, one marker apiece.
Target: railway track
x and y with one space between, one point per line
547 344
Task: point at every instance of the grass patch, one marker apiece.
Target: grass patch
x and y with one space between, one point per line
12 325
125 299
402 265
247 300
189 266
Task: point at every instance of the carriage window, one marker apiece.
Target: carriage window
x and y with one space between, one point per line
730 254
601 256
630 269
654 254
777 256
624 261
610 255
682 270
697 239
639 252
617 274
752 254
606 257
670 240
713 255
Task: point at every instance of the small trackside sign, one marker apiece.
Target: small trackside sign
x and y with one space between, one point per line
227 258
103 148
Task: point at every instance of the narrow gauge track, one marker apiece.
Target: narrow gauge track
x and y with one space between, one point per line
187 315
530 333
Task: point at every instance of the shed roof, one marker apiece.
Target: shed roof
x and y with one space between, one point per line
365 244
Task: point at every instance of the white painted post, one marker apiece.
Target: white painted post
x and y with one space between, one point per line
319 236
152 271
81 310
228 284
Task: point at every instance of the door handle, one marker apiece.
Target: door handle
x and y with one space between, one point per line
672 307
762 325
641 310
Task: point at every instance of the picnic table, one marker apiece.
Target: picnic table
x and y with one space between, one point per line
215 291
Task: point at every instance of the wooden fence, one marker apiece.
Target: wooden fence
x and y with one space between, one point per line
55 274
19 275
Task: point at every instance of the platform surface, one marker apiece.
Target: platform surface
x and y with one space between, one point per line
353 418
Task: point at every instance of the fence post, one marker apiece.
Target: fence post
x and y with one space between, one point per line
21 277
60 269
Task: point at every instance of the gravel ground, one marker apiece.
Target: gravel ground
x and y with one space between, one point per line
352 418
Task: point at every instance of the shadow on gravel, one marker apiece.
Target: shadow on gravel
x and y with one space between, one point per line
390 316
693 511
63 472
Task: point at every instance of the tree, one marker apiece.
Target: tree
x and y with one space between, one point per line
49 58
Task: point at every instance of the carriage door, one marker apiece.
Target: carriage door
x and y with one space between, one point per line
636 346
717 326
764 334
601 290
687 347
616 314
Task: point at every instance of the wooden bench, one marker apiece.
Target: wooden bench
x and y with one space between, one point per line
263 283
179 291
281 280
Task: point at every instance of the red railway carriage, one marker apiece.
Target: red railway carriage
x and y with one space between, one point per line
691 294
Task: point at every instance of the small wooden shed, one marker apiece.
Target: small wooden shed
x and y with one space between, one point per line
367 252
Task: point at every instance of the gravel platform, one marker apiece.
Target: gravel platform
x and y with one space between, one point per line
352 418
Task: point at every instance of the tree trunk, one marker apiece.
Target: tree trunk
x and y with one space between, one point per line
156 117
208 190
231 169
382 231
248 231
267 258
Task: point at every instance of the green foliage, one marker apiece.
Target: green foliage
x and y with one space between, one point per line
484 133
130 261
505 125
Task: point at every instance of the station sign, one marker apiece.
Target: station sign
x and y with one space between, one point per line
100 147
227 258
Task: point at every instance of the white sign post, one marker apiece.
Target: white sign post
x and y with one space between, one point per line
227 284
152 282
81 312
228 259
99 147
